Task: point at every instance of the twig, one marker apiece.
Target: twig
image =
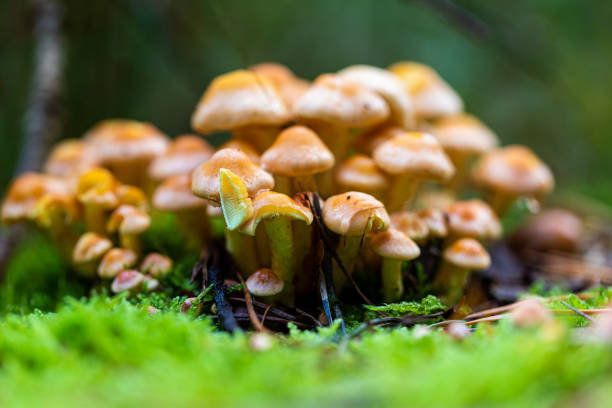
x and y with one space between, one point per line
249 305
324 296
215 278
578 312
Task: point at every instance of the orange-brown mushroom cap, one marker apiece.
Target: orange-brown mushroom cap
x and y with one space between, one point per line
417 154
127 219
184 154
70 156
289 86
127 280
270 204
473 219
464 133
394 244
133 196
156 265
245 147
205 179
410 224
360 173
90 247
56 206
264 282
175 194
435 220
297 151
354 213
98 186
115 261
467 253
236 99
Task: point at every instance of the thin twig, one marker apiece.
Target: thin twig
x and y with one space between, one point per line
249 304
578 312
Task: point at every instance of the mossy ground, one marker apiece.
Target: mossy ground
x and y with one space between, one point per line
59 349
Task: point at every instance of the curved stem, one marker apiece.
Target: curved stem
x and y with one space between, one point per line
282 253
95 218
242 249
400 192
393 287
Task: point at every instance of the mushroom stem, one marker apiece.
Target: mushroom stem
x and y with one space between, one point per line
95 218
500 203
461 161
401 191
242 249
263 248
303 183
194 224
133 172
261 136
348 251
282 254
282 184
131 241
337 139
393 287
450 283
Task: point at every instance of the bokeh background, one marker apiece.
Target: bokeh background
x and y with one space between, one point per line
537 72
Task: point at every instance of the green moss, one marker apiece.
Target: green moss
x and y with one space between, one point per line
428 305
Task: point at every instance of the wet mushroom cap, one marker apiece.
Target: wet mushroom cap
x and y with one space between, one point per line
127 219
289 86
236 99
354 213
98 186
513 170
121 141
414 153
245 147
360 173
297 151
394 244
127 280
464 133
342 102
175 194
389 86
474 219
264 282
467 253
90 247
205 179
156 265
115 261
184 154
410 224
270 204
69 156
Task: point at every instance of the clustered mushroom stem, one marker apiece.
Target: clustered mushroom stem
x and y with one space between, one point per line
348 251
131 241
64 236
393 287
401 191
195 226
461 162
304 183
282 254
95 218
336 138
450 282
243 250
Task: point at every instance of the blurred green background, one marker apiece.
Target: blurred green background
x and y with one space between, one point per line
537 72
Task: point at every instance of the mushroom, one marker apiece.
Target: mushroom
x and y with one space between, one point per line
96 191
296 156
388 85
245 103
184 154
156 265
127 147
431 95
435 221
69 157
264 282
88 251
359 173
510 172
133 196
174 195
395 248
459 259
128 281
439 199
115 261
410 224
352 215
286 83
56 213
129 222
243 146
530 313
472 219
276 211
410 158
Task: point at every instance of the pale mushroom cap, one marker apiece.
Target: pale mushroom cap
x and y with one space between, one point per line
69 156
530 312
264 282
128 280
435 220
120 141
416 154
355 213
270 204
245 147
98 186
127 219
431 95
90 247
24 193
389 86
184 154
175 194
410 224
115 261
156 265
290 87
297 151
473 219
360 173
464 134
467 253
514 170
236 99
394 244
205 179
551 230
342 102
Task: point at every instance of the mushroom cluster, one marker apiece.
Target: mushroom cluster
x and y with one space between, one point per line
378 161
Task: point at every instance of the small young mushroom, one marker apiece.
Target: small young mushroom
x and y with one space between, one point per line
115 261
189 306
411 224
431 95
286 83
264 282
359 173
472 219
435 221
394 247
530 313
460 259
244 102
352 215
410 158
96 191
133 196
88 252
128 281
295 157
56 213
511 172
184 154
156 265
129 222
